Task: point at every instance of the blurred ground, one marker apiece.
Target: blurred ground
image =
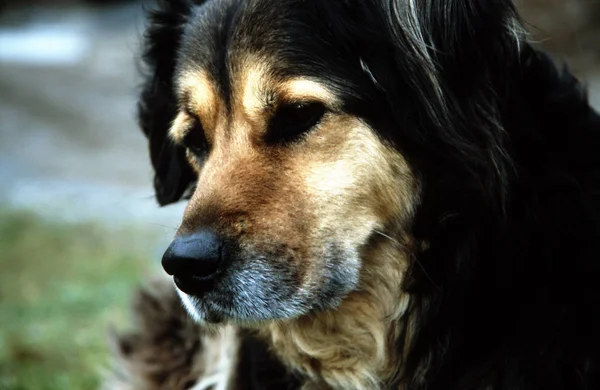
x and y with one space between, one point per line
61 286
78 222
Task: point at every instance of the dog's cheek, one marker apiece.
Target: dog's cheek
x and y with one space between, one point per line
356 185
346 168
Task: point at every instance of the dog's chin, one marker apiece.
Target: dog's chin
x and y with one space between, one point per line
243 308
207 311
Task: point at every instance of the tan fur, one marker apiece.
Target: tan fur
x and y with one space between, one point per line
251 94
353 347
304 89
200 100
220 351
180 127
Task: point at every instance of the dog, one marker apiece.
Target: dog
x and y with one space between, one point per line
381 194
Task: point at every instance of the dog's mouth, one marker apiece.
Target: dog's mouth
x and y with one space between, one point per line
257 289
193 285
201 311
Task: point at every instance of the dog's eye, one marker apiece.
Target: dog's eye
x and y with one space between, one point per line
194 140
291 121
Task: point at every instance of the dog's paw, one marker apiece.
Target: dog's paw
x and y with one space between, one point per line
164 350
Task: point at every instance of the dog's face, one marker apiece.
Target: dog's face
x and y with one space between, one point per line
290 183
283 113
292 186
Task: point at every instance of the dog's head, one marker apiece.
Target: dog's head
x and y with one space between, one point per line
303 131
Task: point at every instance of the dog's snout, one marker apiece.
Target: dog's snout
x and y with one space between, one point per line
196 256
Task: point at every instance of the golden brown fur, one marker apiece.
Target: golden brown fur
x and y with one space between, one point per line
355 346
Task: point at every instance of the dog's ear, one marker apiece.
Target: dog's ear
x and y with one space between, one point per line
157 106
457 57
449 39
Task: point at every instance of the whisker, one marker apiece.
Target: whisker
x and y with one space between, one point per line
163 226
416 260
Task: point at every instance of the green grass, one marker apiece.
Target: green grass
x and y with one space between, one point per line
61 287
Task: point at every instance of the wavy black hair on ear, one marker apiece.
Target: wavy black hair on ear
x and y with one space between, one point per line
157 106
453 66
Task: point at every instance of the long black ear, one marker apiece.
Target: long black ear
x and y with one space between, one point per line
457 56
470 35
448 40
157 106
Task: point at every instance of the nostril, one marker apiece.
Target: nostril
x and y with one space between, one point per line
198 255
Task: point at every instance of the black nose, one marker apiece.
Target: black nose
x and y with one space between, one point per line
193 258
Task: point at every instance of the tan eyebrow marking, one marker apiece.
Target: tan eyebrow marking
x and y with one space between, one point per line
305 89
255 96
261 92
180 127
199 99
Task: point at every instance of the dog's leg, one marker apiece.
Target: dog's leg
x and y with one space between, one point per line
167 351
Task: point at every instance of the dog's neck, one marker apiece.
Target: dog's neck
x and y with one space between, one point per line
356 345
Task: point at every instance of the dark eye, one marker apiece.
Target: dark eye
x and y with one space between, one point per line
194 140
291 121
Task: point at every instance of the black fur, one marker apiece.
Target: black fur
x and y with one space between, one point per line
259 369
157 106
506 147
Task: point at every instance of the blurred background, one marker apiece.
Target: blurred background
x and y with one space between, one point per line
79 228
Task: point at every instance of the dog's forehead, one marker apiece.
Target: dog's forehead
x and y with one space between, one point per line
226 38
